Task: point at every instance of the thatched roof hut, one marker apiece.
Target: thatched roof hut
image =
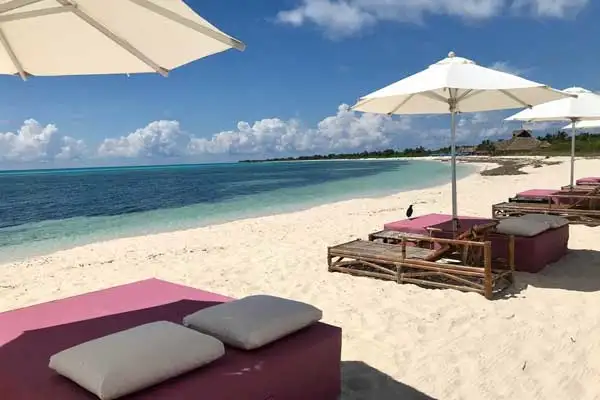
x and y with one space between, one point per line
521 140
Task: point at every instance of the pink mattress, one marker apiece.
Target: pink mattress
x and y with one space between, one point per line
418 225
305 365
588 180
539 193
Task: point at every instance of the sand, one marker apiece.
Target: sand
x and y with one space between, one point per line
540 343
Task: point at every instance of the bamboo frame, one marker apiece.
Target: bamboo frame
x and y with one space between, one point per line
573 215
484 277
589 193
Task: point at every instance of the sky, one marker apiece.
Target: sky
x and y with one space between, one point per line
290 91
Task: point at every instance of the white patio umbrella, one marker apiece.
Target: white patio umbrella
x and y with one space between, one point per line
454 85
586 106
65 37
591 124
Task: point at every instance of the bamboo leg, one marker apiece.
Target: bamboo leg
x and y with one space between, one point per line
487 279
511 257
399 266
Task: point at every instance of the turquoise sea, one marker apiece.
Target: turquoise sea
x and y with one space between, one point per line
46 210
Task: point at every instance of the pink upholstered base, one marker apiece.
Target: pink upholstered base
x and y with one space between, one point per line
305 365
532 254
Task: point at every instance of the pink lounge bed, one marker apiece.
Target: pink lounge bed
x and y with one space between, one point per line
532 254
539 194
590 180
304 365
419 225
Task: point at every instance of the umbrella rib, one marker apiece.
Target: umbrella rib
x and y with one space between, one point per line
12 55
118 40
361 102
35 13
402 103
236 44
513 97
434 96
15 4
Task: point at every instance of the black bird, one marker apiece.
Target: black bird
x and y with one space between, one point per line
409 211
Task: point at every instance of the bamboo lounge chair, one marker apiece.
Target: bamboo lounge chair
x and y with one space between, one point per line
579 206
460 263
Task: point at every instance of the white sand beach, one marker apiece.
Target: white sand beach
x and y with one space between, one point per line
539 343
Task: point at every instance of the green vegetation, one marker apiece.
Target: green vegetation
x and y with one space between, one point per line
560 144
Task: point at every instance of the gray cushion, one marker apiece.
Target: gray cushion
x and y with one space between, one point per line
521 227
554 221
127 361
253 321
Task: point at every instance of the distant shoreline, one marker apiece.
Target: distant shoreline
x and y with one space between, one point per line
432 156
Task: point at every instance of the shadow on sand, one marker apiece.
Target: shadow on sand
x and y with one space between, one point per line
578 270
360 381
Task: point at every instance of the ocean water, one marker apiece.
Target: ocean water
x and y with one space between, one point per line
47 210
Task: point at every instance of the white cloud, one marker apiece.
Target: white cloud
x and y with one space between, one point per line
345 131
157 139
551 8
505 66
340 18
470 129
34 142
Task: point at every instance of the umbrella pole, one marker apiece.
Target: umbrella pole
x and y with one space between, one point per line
573 133
453 164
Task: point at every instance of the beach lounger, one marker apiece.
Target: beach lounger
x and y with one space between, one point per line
590 181
583 184
449 263
574 215
578 206
578 196
532 250
303 365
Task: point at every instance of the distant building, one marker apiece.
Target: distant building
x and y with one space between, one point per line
466 150
521 141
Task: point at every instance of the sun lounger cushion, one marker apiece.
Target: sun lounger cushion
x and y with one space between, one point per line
554 221
125 362
521 227
253 321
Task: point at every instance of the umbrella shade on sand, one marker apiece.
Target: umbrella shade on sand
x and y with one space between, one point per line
584 107
456 85
85 37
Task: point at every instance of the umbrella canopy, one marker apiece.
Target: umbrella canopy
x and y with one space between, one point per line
456 84
453 85
64 37
584 107
588 124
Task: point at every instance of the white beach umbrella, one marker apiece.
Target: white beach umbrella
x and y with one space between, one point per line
455 85
585 107
591 124
66 37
